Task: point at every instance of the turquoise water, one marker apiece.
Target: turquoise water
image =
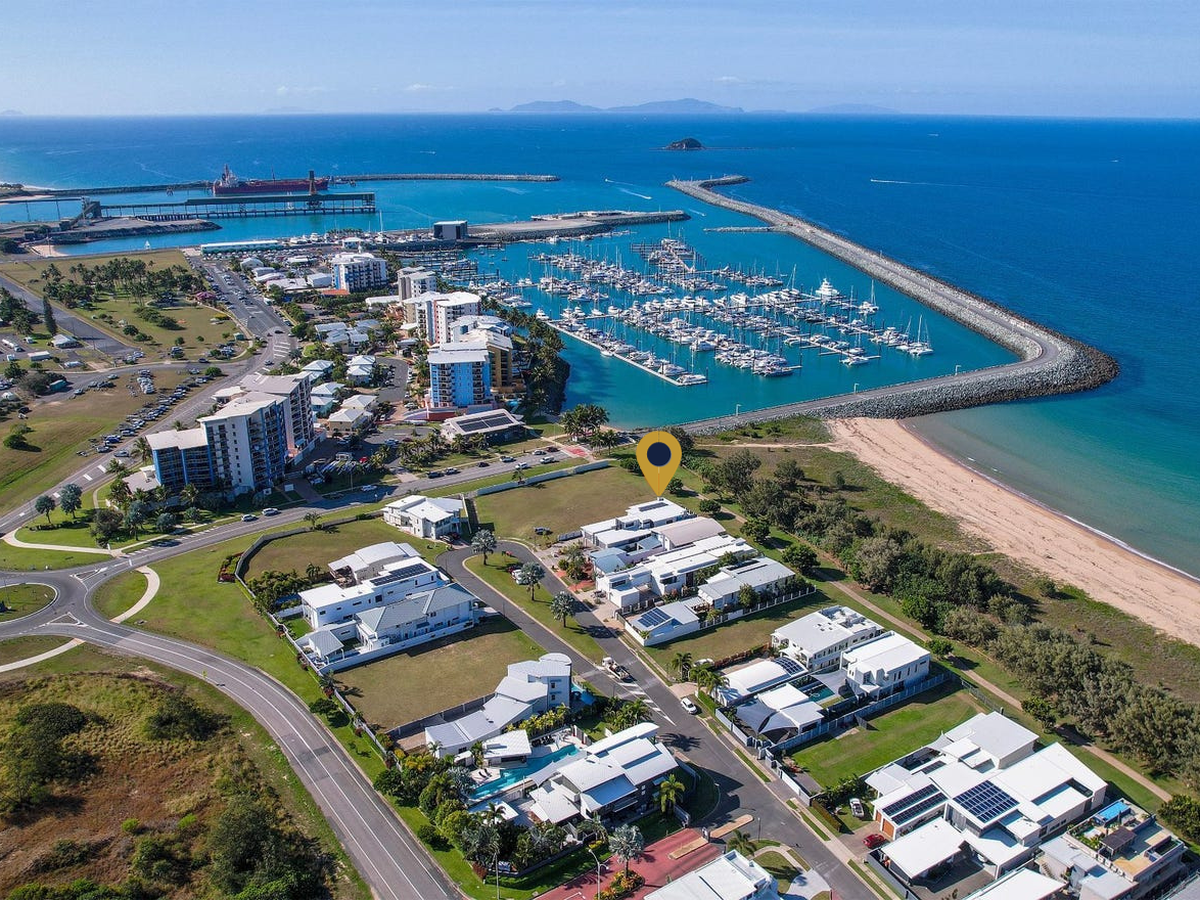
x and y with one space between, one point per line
1086 226
509 777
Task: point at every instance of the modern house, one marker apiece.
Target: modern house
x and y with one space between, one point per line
661 573
434 518
529 688
1022 884
1121 853
357 567
981 793
615 775
818 640
637 523
884 665
728 877
745 682
331 605
763 575
418 618
493 425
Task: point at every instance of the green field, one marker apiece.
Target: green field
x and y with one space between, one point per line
61 427
435 676
172 778
24 647
562 505
887 737
25 559
495 573
116 595
333 542
23 599
195 322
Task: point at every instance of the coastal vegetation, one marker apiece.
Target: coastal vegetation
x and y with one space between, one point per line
215 812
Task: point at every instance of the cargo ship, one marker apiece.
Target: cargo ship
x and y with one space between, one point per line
229 184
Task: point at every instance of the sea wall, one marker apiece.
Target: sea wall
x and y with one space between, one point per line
1050 363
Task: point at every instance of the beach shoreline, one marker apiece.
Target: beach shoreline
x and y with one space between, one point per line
1027 531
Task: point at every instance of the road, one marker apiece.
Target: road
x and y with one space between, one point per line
70 323
383 852
741 792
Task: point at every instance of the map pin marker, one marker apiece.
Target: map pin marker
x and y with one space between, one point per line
659 455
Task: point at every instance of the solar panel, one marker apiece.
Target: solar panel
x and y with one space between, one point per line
917 809
927 791
789 665
653 618
985 801
397 575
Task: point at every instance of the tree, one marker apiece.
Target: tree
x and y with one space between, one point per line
939 647
562 606
529 575
736 472
877 562
44 505
188 495
681 664
15 439
707 678
747 597
312 519
166 522
788 475
709 507
669 792
632 712
626 843
756 530
142 448
483 541
740 842
70 499
800 557
1042 710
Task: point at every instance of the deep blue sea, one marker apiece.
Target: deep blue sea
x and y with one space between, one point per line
1090 227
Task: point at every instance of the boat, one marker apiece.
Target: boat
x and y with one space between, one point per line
692 379
230 185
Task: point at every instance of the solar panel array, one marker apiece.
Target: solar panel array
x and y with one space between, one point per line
928 791
986 801
398 575
493 420
911 812
652 618
789 665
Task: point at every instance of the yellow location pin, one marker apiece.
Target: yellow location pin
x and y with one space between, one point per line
658 454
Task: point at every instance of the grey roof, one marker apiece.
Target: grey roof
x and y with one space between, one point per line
322 641
414 607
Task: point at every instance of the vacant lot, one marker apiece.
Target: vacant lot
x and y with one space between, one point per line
562 505
62 427
324 546
436 676
889 736
139 788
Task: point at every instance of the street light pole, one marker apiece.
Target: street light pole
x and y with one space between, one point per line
597 859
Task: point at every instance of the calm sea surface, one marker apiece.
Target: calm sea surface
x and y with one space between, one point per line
1089 227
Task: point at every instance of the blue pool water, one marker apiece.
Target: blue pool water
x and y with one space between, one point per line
512 776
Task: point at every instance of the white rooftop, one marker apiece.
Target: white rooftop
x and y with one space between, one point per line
888 652
183 440
754 678
1023 884
922 849
688 531
825 628
728 877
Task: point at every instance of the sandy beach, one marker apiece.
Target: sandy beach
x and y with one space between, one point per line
1024 530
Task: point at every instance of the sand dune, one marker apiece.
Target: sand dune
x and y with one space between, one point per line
1024 530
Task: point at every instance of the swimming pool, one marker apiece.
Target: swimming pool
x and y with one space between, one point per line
514 775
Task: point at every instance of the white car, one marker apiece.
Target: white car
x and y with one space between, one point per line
689 705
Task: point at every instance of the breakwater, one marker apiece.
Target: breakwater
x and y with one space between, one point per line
1050 363
440 176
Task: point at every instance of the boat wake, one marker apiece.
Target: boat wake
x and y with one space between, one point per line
635 194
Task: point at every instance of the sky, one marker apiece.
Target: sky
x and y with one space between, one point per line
977 57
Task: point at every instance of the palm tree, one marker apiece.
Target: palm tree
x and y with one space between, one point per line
681 664
626 843
740 842
562 606
669 792
118 468
632 712
142 448
707 678
188 495
483 541
529 575
312 519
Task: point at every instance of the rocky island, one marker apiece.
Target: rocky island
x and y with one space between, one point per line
687 143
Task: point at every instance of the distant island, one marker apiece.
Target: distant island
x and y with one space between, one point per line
685 107
853 109
687 143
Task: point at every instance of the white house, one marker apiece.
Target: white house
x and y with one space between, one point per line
367 562
755 678
780 713
529 688
426 517
418 618
817 640
361 401
762 575
637 523
347 421
1023 884
614 775
337 605
663 572
316 369
884 665
728 877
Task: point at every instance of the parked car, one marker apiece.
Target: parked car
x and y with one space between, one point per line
871 841
689 705
451 471
121 453
270 511
249 517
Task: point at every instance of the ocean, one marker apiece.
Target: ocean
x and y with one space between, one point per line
1086 226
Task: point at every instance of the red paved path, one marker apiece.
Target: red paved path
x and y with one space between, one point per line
655 865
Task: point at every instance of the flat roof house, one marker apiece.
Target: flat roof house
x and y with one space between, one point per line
728 877
817 640
433 518
884 665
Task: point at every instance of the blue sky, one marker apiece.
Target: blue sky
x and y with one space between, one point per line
1020 57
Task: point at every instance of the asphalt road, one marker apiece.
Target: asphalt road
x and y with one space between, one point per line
70 323
741 791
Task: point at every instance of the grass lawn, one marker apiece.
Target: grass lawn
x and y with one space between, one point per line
26 559
194 320
778 866
25 647
61 427
734 637
426 679
561 505
173 778
23 599
496 575
324 546
118 594
798 429
888 736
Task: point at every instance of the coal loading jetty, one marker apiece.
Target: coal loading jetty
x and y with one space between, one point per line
1050 363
